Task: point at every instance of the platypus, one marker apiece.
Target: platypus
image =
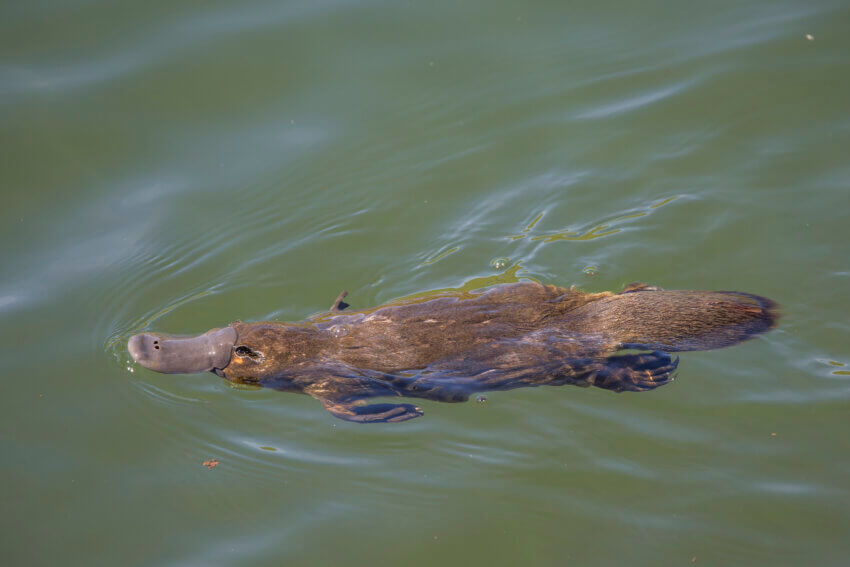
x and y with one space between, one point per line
447 346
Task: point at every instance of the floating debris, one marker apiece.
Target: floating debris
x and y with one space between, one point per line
211 464
810 37
481 399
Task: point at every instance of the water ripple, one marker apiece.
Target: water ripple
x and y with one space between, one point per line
634 101
153 46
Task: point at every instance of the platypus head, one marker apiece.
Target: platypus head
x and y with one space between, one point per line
211 351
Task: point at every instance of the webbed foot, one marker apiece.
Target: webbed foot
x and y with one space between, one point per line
372 413
635 372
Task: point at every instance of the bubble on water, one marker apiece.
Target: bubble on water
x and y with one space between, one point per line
130 368
591 271
481 399
500 263
338 331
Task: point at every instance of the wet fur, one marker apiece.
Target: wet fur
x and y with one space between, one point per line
448 346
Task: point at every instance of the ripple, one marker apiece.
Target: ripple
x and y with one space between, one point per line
295 453
162 43
635 101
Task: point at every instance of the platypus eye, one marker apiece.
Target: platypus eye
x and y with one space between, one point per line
247 352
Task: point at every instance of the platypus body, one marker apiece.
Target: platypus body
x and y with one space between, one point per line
447 346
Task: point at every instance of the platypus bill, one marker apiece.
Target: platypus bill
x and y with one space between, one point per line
447 346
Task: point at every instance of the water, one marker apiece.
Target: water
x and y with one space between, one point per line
176 167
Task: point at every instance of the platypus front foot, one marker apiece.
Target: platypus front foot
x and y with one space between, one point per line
372 413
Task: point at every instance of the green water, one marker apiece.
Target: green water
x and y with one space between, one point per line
178 166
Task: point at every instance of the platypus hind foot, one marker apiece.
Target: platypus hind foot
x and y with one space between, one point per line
635 372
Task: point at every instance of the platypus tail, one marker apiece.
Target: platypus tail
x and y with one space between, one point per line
672 320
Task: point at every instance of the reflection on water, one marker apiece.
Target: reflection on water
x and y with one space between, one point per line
597 231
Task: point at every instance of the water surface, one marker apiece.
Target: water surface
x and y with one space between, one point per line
176 167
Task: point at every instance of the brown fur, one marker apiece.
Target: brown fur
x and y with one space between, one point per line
445 347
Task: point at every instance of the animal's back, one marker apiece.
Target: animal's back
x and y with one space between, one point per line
411 334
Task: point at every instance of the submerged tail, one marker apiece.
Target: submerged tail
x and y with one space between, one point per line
677 320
